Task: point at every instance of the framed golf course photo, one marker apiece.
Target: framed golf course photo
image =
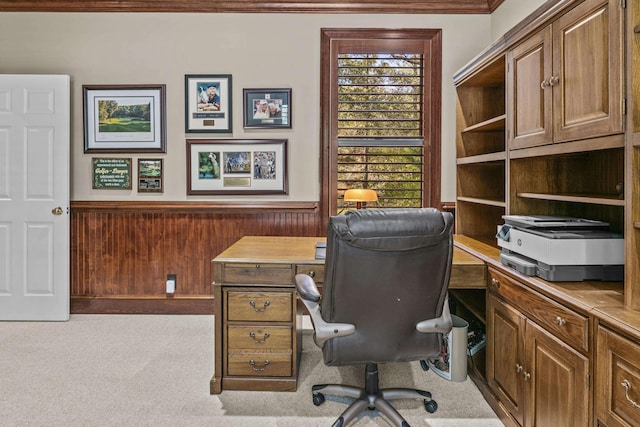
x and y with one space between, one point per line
124 118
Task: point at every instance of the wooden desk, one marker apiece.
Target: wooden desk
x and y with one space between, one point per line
258 328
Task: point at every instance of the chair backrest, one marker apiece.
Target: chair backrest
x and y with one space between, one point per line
386 270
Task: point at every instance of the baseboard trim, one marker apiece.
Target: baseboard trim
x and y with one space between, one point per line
156 305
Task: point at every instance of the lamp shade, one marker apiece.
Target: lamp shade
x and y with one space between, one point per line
360 195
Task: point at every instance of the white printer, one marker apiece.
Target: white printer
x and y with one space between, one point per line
561 248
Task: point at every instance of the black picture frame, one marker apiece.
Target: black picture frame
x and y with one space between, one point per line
267 108
203 114
150 175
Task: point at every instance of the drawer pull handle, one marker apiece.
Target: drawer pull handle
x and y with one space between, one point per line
560 321
252 303
495 282
253 365
527 375
253 335
627 386
518 368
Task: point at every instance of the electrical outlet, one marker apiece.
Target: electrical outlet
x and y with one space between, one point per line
171 283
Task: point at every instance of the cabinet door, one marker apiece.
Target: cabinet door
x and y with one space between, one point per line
556 381
529 93
587 71
505 349
617 380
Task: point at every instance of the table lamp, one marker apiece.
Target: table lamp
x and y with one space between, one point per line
360 195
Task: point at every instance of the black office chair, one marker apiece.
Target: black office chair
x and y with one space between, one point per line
384 299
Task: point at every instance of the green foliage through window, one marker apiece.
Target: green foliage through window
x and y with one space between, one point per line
380 127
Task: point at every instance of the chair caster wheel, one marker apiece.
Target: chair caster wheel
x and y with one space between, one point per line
424 365
318 399
430 406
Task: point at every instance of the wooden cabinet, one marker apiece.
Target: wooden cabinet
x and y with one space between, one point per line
529 105
540 379
617 400
565 82
632 186
258 328
562 82
481 149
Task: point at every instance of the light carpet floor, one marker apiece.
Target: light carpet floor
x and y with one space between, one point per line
153 370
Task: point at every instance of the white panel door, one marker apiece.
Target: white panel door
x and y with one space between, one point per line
34 197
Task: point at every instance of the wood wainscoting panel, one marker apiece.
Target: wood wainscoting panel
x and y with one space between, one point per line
122 252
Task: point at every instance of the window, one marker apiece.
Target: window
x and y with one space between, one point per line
381 116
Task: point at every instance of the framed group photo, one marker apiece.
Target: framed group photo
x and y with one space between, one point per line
236 166
124 118
208 103
267 108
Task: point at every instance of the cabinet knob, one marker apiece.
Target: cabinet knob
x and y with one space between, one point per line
627 386
495 282
312 273
560 321
544 84
518 368
554 80
526 376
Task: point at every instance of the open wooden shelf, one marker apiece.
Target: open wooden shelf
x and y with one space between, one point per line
490 125
483 158
598 199
488 202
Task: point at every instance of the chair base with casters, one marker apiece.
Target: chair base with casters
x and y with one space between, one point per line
371 397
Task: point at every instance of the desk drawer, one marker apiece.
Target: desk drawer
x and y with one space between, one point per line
316 271
259 364
259 306
559 320
247 273
617 380
259 337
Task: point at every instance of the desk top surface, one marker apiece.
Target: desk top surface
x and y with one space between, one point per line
301 250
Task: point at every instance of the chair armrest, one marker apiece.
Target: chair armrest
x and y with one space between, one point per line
442 324
310 296
307 289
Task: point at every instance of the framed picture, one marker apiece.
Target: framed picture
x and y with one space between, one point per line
208 103
236 166
150 176
111 174
124 118
267 108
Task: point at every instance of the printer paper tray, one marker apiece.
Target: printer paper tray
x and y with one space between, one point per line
561 273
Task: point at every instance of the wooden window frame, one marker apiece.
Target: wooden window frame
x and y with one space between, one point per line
330 42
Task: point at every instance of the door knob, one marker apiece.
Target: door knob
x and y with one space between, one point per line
57 211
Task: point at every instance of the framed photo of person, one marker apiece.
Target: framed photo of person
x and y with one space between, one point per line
208 106
150 176
236 166
124 118
267 108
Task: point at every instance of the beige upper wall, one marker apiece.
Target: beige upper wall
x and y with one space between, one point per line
258 50
510 13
